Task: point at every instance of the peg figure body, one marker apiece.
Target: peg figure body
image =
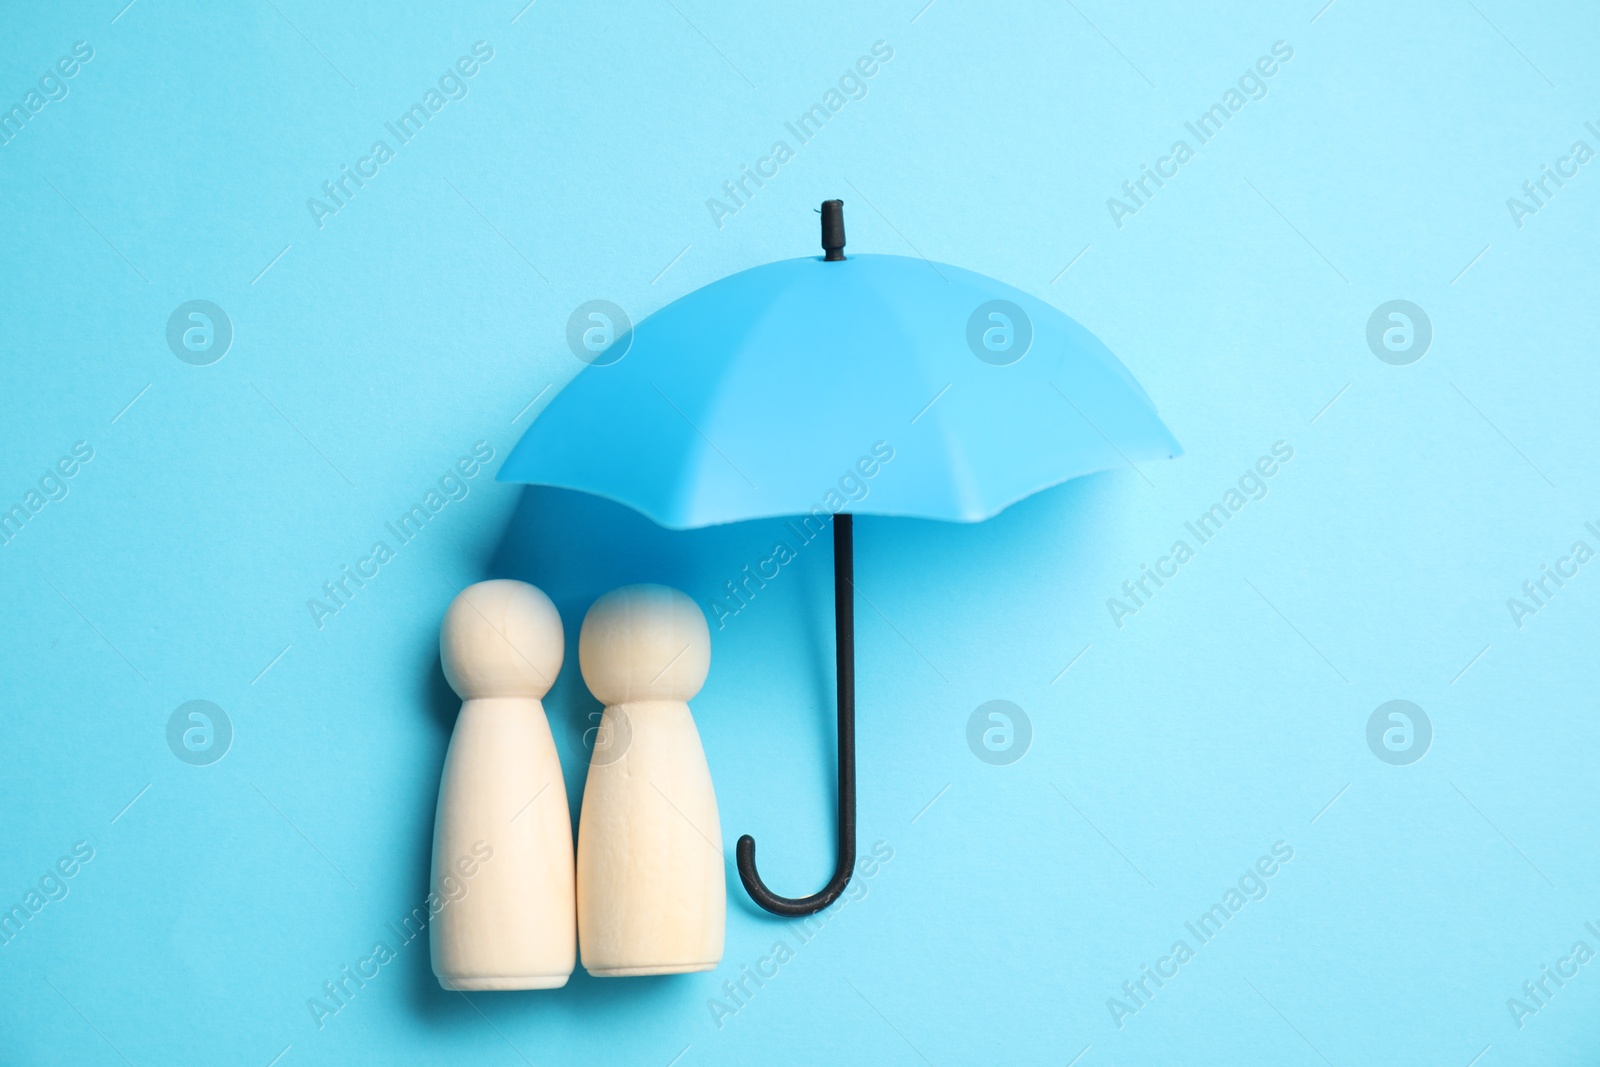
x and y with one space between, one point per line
502 840
652 896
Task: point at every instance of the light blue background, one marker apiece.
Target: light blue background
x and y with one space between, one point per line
1228 714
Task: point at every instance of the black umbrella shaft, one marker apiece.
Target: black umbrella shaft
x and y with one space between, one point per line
844 638
844 626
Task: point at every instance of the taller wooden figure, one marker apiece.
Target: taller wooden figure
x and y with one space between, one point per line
652 897
502 835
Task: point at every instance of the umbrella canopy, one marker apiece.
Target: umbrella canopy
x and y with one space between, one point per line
826 387
750 397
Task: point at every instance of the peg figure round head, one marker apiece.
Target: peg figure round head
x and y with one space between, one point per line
644 642
501 638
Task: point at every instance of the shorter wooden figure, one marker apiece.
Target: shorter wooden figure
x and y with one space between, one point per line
652 897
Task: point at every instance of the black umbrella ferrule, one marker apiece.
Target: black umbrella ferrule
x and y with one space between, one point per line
833 230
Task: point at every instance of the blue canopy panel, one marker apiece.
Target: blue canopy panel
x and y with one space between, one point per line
891 382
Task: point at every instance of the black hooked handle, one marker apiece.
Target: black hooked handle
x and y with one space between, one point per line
844 625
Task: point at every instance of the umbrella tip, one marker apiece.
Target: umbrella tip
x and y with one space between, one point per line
833 230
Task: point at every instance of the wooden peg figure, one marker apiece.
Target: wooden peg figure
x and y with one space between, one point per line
652 897
502 836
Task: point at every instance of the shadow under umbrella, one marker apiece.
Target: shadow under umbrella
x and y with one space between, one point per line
576 546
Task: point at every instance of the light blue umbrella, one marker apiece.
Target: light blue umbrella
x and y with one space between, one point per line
830 386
